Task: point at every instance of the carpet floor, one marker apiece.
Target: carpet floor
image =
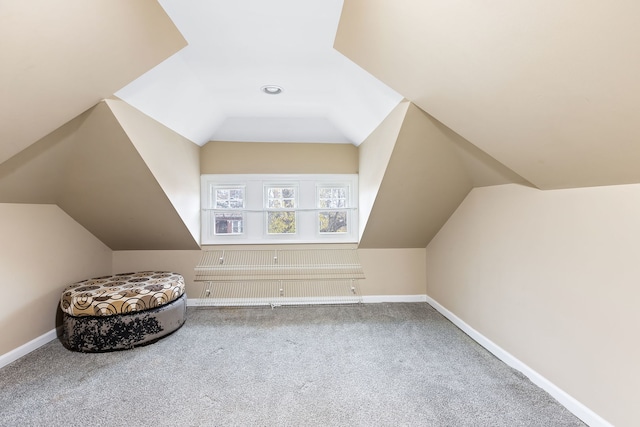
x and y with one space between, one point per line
392 364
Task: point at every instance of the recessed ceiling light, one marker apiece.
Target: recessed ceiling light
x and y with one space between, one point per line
271 89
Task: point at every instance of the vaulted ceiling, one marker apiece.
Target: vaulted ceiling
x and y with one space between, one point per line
541 94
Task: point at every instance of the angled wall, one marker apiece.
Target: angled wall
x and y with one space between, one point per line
58 60
373 158
91 169
41 251
173 160
551 277
414 172
423 184
109 189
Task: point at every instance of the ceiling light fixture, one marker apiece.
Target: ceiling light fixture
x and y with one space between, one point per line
271 89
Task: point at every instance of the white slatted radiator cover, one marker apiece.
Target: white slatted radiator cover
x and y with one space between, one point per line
279 277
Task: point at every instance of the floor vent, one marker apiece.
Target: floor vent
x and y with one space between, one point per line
279 277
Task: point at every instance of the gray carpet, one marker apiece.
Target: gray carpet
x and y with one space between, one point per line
365 365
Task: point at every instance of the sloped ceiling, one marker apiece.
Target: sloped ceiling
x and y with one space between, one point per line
549 89
424 172
540 94
59 59
92 170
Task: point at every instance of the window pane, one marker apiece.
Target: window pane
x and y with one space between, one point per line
288 193
229 223
281 197
229 198
332 197
333 222
222 198
275 193
281 222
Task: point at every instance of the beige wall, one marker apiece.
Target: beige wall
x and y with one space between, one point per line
373 157
108 168
387 271
182 262
59 60
552 278
173 160
393 271
257 157
424 182
109 189
42 251
242 157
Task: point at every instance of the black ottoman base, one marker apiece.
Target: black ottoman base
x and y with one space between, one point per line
94 334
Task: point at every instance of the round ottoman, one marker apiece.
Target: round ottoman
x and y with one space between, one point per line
122 311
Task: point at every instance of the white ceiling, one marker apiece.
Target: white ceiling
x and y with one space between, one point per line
210 90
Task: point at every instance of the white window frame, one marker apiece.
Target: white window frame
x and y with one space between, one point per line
327 209
269 210
213 195
255 211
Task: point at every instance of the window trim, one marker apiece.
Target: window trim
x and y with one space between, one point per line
255 211
337 209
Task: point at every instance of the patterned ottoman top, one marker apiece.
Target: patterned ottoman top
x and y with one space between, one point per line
122 293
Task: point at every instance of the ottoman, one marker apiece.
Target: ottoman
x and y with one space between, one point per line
122 311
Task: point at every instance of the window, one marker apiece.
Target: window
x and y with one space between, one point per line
250 209
280 204
334 197
228 205
232 223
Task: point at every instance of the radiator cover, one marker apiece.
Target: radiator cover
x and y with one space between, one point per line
279 277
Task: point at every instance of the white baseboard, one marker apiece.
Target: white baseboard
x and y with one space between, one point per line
27 348
578 409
